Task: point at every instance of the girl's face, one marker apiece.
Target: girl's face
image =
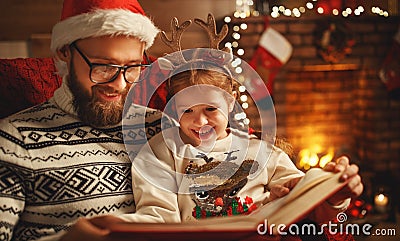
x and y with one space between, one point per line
203 114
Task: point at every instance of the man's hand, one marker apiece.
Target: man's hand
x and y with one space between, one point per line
93 229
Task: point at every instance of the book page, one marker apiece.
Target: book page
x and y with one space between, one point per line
310 192
315 187
312 178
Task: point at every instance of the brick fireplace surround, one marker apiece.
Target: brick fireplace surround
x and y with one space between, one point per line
344 106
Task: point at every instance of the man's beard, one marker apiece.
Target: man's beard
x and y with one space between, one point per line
93 110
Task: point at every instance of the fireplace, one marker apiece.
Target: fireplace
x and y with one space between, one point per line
326 110
315 107
342 106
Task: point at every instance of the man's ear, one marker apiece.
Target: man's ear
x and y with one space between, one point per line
64 53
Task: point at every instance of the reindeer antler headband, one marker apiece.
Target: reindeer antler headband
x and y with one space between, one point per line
214 56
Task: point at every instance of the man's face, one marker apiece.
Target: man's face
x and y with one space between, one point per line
102 104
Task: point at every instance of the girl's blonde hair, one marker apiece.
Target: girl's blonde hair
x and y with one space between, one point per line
193 77
223 81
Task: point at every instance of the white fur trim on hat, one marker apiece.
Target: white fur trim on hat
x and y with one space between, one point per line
276 44
102 22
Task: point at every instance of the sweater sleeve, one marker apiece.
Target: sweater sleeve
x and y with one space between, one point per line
154 185
15 177
281 168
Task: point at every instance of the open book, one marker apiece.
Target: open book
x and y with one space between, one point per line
313 189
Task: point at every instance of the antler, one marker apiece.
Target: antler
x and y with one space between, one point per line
215 38
177 59
175 42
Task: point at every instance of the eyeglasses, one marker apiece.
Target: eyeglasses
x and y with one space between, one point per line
106 73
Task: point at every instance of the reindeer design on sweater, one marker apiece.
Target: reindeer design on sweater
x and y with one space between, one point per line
216 184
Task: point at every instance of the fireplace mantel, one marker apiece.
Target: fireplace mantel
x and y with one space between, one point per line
325 67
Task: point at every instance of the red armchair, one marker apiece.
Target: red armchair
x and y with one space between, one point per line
25 82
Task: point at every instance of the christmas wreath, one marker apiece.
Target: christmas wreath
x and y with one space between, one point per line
334 41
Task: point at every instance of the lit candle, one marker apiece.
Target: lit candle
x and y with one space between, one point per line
381 201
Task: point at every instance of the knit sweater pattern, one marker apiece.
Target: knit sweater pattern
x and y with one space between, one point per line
55 169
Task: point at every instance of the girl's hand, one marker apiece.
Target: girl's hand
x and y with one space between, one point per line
278 191
354 188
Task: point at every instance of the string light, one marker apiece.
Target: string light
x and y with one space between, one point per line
278 11
236 35
240 52
378 11
227 19
238 70
245 8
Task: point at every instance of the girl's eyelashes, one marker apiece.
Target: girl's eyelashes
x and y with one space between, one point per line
190 110
211 108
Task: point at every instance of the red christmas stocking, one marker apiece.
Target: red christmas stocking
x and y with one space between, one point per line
272 52
390 70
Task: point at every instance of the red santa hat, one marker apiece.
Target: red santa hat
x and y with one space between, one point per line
93 18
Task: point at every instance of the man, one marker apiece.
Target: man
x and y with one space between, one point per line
65 159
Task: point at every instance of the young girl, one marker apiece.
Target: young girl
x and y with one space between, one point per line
204 168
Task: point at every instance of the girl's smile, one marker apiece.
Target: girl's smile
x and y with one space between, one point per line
203 113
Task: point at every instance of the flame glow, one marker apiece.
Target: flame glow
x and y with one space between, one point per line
309 158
